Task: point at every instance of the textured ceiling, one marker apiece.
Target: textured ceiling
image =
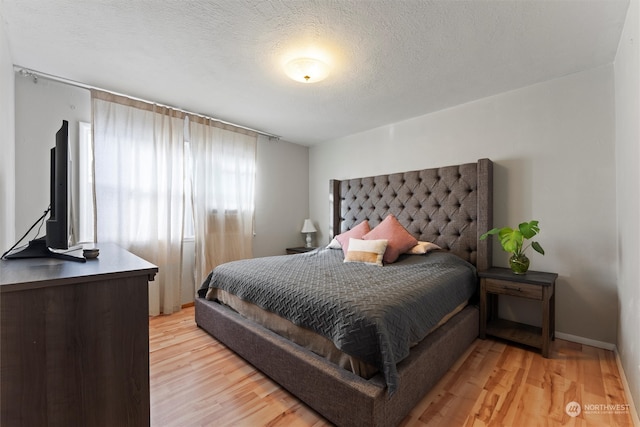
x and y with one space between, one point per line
391 60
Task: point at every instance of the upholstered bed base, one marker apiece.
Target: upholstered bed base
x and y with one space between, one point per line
340 396
450 206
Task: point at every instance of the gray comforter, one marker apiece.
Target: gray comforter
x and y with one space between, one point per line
373 313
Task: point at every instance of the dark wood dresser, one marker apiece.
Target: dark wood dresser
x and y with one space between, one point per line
74 343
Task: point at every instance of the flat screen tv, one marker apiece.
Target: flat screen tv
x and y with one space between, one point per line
57 229
57 225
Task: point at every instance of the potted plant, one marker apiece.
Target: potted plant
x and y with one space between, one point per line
512 241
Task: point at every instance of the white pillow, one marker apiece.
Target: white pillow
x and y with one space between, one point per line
334 244
366 251
423 248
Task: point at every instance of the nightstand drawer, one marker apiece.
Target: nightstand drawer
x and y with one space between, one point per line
505 287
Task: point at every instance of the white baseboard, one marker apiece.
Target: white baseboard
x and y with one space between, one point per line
586 341
627 391
623 377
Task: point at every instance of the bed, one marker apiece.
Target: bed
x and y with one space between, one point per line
449 206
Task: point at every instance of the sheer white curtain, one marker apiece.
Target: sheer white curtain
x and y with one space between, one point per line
223 166
139 188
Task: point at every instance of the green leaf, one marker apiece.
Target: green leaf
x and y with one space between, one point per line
529 229
537 247
511 240
492 231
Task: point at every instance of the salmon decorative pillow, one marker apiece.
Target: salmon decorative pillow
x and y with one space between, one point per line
399 239
356 233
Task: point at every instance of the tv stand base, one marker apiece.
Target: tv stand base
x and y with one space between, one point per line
37 248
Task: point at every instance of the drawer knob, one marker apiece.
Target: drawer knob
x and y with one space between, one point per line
513 288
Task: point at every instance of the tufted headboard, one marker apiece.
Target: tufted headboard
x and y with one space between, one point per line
450 206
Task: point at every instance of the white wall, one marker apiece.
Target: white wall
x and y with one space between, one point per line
627 92
282 196
7 145
553 149
40 108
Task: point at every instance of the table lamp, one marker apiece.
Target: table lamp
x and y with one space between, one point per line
308 228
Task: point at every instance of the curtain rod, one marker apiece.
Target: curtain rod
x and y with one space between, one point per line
26 72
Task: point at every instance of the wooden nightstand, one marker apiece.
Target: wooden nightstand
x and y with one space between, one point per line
534 285
299 250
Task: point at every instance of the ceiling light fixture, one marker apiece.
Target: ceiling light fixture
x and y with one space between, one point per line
306 70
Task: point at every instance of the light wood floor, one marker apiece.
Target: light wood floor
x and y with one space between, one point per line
196 381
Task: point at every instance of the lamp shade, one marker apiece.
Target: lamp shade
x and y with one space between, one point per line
308 227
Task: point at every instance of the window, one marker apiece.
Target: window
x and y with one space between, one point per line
189 232
85 184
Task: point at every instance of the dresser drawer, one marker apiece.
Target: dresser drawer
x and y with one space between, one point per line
505 287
